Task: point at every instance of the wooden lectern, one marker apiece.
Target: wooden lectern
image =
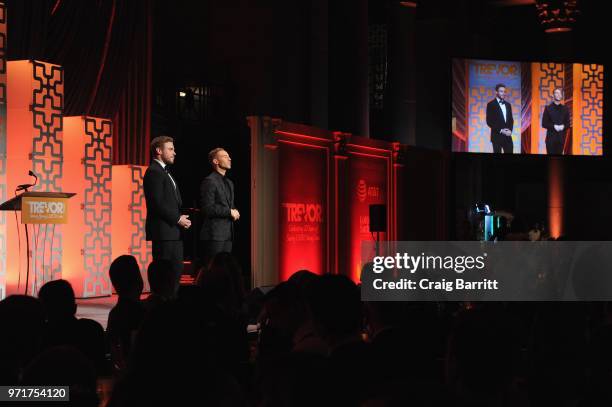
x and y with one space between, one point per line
38 208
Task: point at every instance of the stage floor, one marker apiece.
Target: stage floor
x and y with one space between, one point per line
97 308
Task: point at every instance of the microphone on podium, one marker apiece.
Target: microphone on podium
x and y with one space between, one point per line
26 186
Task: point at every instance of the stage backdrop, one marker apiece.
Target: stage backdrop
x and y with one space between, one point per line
34 142
310 196
69 154
3 189
129 214
111 77
303 207
88 173
583 88
368 172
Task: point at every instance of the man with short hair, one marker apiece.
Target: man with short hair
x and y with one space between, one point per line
218 211
499 119
164 220
556 121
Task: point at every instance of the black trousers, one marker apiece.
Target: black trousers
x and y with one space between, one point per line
504 144
212 247
555 143
171 250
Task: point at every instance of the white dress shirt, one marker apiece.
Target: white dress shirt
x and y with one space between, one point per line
503 108
163 164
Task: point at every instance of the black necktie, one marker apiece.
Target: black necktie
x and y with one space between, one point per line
501 102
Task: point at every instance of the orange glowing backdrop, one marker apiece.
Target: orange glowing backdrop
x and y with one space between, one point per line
88 172
35 99
3 194
129 214
72 154
583 94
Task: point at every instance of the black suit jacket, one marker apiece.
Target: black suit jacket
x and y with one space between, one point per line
549 120
495 120
163 204
217 202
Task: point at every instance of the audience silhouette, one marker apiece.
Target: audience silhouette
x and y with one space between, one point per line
311 341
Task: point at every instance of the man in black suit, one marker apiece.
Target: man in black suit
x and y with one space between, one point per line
499 119
164 219
218 211
556 121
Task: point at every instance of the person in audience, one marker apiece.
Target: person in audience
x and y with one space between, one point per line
22 319
277 321
404 337
192 348
222 289
126 316
223 284
64 328
166 370
337 315
305 338
289 351
599 359
65 366
536 232
482 356
161 283
558 355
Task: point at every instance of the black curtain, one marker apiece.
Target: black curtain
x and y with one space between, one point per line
105 49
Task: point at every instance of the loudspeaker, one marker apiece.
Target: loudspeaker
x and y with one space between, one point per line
378 218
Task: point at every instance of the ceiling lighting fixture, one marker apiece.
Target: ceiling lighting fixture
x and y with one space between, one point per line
557 15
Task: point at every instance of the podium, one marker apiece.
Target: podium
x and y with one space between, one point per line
38 208
14 204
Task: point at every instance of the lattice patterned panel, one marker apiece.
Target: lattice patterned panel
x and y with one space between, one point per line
3 195
88 172
129 214
587 109
35 141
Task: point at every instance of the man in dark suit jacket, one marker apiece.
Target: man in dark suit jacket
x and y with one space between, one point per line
164 219
218 210
499 119
556 121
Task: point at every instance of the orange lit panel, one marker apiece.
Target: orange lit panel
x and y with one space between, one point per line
88 172
129 212
34 142
3 192
587 109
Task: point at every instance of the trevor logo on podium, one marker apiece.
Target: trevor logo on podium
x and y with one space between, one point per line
44 210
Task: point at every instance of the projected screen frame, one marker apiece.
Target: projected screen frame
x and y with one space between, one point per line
470 134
